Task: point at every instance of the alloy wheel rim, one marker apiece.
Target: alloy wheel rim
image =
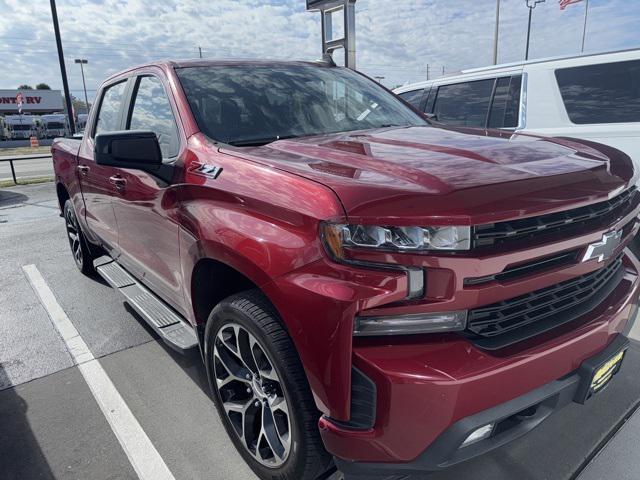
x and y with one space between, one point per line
73 233
252 395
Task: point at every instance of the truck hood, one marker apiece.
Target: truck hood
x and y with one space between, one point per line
448 175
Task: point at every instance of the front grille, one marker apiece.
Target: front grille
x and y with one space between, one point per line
529 268
591 215
511 321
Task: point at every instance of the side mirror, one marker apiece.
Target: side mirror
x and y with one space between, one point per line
431 116
128 149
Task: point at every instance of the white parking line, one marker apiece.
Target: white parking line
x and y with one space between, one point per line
144 457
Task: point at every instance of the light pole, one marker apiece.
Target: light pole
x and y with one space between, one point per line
495 35
63 70
83 61
531 4
584 30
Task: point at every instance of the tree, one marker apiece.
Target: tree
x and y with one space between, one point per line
43 86
78 105
25 87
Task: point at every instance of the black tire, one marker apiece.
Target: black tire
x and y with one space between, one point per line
306 457
80 251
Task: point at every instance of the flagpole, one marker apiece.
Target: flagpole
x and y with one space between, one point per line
584 30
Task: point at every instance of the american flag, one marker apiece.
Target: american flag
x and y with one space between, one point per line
565 3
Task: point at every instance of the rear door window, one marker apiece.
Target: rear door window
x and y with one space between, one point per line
505 108
464 104
414 97
604 93
110 109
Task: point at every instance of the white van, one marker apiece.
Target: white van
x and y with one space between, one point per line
54 125
593 97
21 126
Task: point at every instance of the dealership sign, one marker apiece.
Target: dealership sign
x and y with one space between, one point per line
12 101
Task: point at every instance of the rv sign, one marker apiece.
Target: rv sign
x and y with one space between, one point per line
37 101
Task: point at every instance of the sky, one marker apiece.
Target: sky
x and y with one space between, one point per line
395 39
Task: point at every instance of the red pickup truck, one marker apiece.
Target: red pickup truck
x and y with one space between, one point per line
365 287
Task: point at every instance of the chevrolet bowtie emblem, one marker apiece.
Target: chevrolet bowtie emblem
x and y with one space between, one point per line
604 249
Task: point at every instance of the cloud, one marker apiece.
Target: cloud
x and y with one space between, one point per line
396 39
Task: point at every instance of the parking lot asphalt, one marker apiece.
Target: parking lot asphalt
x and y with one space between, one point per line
53 427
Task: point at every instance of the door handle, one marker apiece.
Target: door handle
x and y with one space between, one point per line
118 182
84 170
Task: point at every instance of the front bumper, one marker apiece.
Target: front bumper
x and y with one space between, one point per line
431 390
512 420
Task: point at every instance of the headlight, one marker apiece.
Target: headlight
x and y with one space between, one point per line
337 236
410 324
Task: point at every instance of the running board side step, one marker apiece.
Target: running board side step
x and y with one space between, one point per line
172 328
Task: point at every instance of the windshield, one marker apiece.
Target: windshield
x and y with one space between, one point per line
255 104
21 127
53 125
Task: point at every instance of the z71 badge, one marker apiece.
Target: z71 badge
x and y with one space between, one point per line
208 170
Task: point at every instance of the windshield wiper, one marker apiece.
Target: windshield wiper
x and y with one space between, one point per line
257 142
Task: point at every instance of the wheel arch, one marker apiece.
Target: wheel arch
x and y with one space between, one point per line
63 195
211 282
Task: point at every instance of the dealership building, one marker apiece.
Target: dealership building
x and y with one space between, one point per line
37 102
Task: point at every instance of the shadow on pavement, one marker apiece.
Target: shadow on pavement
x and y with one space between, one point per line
11 198
190 363
20 455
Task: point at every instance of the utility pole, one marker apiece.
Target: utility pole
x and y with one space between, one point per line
427 71
584 30
200 51
531 4
82 62
495 35
63 70
443 70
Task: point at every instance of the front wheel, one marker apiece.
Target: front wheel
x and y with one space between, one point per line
261 391
79 248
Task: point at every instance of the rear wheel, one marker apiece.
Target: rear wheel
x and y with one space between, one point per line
261 391
79 248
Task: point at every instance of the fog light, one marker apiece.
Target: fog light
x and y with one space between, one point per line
410 324
481 433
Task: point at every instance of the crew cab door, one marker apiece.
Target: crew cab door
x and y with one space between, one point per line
96 181
145 205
